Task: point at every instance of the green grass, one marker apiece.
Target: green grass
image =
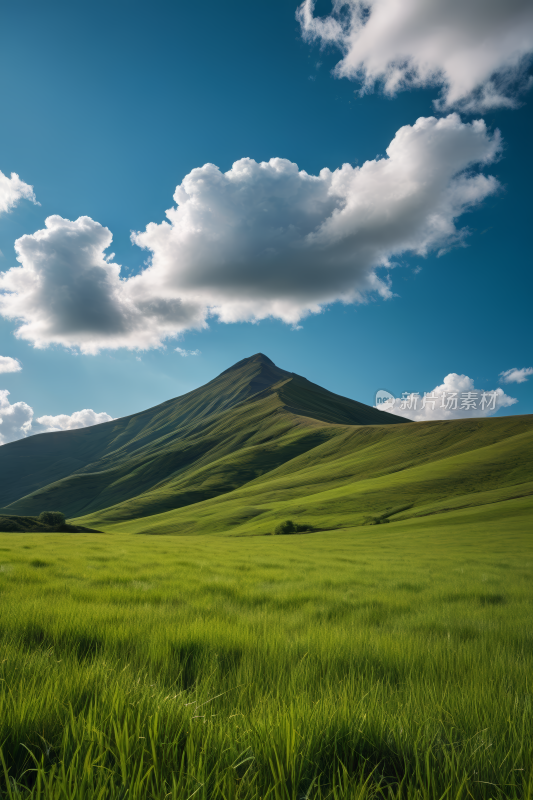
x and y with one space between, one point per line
390 661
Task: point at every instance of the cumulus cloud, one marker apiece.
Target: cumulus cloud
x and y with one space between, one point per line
185 353
12 190
477 51
15 419
455 398
66 422
261 240
68 292
516 375
8 364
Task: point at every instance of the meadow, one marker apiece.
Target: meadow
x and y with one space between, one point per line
387 661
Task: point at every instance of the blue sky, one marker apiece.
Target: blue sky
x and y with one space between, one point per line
107 108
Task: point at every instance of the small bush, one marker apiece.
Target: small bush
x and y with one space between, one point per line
285 527
290 527
51 518
9 525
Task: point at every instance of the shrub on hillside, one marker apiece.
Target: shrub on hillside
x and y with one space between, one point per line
51 518
10 525
290 527
285 527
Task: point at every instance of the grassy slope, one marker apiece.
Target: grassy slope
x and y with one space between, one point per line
254 416
235 669
354 472
259 444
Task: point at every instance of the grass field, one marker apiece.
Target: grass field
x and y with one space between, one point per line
391 661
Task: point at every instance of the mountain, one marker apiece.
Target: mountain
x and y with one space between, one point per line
258 445
253 418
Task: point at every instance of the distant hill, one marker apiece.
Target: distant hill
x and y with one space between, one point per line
16 524
258 445
250 420
473 471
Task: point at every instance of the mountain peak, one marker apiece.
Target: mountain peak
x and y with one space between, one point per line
258 364
252 402
252 375
257 358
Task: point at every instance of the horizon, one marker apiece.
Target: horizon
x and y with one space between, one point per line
400 408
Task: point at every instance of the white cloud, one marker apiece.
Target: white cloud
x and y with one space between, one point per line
68 292
8 364
261 240
185 353
455 398
12 190
516 375
477 50
15 419
66 422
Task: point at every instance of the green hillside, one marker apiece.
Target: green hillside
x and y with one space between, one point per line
251 419
258 445
413 470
